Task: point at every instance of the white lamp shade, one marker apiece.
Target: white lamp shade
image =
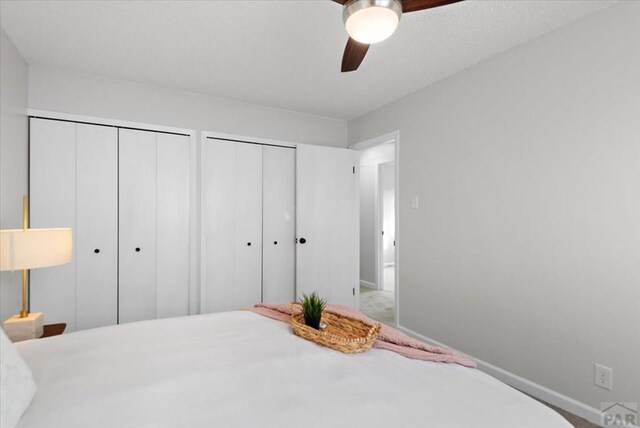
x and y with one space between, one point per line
34 248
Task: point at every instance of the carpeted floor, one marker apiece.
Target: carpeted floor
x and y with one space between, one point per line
378 304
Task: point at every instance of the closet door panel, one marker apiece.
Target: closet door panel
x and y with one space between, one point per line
173 157
218 256
96 226
278 274
232 219
137 232
326 221
248 266
52 157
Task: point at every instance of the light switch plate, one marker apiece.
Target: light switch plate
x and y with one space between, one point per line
414 202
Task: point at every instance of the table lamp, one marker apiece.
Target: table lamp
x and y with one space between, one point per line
23 249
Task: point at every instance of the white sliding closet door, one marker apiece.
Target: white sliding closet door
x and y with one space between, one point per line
231 225
172 283
53 204
326 223
137 234
278 272
96 226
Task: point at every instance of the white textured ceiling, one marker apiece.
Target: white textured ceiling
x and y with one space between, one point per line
284 54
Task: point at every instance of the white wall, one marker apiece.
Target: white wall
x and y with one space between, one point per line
525 251
13 158
75 93
369 161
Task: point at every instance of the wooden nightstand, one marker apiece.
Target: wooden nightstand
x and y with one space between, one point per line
53 330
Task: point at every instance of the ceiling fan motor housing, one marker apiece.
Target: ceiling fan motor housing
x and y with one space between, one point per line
371 21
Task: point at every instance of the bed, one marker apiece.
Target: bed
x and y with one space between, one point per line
239 369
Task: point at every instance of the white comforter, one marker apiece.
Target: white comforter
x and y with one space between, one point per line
238 369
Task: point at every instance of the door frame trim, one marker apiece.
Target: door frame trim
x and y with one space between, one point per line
391 137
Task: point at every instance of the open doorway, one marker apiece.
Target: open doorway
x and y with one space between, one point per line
378 241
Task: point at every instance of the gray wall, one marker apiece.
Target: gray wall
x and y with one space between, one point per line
525 251
13 158
75 93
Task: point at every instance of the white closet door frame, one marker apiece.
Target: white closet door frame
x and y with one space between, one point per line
194 197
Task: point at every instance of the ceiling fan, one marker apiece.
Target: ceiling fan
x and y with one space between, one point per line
372 21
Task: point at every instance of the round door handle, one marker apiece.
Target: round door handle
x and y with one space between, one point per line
248 244
97 250
275 242
137 249
303 241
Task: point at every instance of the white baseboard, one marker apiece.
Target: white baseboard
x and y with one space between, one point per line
368 284
540 392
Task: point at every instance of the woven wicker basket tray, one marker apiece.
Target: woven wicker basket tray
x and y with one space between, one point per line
342 333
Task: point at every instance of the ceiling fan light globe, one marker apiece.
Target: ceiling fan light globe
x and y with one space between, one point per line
371 21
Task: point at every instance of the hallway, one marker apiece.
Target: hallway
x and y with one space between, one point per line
380 304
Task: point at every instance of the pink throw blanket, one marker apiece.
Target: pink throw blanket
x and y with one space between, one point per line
389 338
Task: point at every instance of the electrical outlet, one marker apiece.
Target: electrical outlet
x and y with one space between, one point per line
603 377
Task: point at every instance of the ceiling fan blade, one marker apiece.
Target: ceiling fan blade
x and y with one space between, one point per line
340 1
353 55
416 5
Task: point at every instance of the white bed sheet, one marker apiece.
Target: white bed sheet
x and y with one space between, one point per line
238 369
